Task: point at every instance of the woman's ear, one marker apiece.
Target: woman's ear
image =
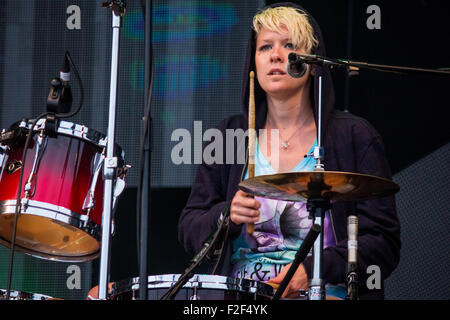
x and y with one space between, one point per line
313 70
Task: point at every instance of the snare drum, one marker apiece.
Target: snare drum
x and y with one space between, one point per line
199 287
62 190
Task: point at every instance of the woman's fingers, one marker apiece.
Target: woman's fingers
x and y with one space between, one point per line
245 200
244 209
298 281
244 215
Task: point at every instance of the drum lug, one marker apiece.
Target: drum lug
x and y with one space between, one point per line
40 145
195 295
24 204
119 186
89 200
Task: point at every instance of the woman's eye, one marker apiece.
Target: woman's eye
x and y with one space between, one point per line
264 47
289 46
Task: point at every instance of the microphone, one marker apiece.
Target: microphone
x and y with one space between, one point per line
296 66
352 230
211 249
59 99
352 245
64 74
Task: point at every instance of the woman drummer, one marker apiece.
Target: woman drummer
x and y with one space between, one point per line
287 112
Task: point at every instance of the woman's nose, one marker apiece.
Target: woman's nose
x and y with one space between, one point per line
276 55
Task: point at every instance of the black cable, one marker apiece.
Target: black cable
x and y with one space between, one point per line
19 188
80 83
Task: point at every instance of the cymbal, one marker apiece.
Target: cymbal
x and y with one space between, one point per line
331 185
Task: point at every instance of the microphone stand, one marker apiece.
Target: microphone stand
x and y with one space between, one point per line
317 208
317 205
354 66
118 11
299 257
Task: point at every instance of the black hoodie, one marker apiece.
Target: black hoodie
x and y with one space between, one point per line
351 145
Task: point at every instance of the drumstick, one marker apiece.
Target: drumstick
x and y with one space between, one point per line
251 137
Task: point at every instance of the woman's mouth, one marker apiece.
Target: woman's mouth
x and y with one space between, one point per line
276 72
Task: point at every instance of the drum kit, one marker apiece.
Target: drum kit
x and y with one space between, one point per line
61 206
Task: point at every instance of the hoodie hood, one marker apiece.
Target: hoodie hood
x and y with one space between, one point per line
260 97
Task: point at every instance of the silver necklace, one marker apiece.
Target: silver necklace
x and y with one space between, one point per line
285 143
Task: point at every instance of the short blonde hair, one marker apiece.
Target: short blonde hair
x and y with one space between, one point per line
294 20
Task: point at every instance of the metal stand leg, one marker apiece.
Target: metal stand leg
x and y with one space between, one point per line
110 167
317 208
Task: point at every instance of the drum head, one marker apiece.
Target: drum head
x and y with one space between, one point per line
48 239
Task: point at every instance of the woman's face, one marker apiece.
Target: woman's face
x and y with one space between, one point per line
271 57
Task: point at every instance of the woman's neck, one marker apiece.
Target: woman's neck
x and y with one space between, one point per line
284 113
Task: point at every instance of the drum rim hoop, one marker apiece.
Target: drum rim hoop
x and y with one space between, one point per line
199 281
73 130
60 214
54 212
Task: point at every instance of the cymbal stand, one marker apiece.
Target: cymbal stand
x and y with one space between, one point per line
319 151
118 11
316 207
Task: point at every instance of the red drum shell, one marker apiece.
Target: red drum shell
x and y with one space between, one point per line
52 224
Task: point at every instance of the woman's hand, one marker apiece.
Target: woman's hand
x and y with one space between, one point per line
298 281
244 208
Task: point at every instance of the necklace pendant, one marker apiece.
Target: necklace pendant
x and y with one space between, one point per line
284 145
